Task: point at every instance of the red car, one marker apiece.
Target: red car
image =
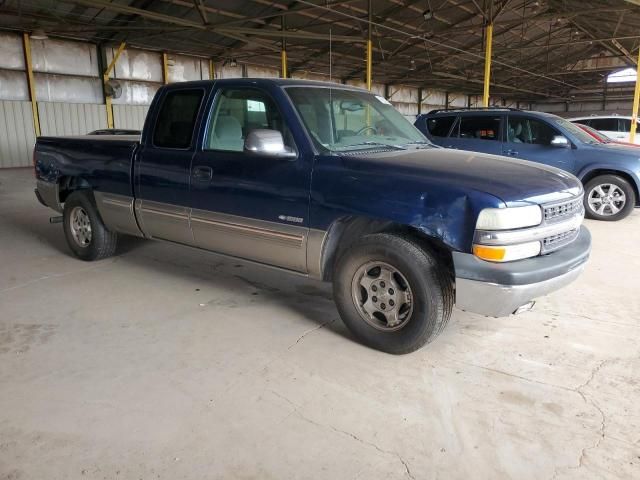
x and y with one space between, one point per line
601 137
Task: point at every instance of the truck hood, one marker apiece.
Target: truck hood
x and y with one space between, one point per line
515 182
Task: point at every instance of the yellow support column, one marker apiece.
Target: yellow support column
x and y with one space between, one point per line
105 79
26 43
283 52
283 61
487 64
165 68
636 101
212 70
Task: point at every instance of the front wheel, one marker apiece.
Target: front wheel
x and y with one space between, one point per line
609 198
392 294
86 235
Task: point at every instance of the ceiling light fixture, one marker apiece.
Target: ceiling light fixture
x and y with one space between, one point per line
39 34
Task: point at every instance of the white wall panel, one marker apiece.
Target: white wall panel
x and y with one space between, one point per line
136 65
11 54
129 116
262 72
71 118
63 88
63 56
136 93
13 85
16 134
183 68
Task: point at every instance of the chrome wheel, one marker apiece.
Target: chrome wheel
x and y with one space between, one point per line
80 226
606 199
382 296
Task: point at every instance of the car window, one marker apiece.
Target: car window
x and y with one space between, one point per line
609 124
530 130
440 126
478 127
239 111
176 119
583 121
624 125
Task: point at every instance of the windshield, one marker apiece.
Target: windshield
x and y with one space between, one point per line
342 120
576 131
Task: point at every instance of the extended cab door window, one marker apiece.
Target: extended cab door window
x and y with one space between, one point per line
176 119
236 113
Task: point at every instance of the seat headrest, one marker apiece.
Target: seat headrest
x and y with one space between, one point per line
228 127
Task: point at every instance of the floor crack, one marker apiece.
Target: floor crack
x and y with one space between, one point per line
310 331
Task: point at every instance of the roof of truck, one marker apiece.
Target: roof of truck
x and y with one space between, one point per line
264 81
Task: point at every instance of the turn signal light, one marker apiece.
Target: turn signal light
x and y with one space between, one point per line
506 253
492 254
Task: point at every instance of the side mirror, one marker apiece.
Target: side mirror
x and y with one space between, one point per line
559 141
267 142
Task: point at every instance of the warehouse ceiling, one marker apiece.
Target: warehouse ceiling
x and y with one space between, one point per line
561 49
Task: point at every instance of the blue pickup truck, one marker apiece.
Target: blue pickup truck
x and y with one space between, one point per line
610 172
330 182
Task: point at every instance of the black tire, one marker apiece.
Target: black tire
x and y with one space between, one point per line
603 181
102 242
429 282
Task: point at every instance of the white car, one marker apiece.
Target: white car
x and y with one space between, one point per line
614 126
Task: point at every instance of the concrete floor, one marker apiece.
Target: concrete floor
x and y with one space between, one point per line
168 363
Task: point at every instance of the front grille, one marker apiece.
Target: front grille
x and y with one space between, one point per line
560 211
559 240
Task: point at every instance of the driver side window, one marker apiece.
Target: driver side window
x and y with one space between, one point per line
529 130
237 112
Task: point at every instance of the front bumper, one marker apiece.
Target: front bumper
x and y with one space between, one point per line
498 289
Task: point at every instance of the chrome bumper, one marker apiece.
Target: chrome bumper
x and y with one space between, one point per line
497 290
495 300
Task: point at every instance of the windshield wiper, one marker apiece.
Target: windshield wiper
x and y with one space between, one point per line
376 144
420 142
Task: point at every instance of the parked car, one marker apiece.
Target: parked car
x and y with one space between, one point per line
601 137
610 173
613 126
114 131
330 182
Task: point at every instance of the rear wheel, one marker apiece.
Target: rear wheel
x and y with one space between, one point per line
392 294
609 198
86 235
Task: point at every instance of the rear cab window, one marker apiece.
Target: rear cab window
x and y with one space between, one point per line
175 123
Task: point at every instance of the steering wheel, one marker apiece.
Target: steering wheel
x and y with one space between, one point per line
365 128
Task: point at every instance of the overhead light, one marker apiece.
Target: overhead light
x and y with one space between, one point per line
427 14
39 34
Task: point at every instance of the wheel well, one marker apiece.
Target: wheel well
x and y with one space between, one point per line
596 173
346 231
71 184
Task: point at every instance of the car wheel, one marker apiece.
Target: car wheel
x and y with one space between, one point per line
391 293
86 235
609 198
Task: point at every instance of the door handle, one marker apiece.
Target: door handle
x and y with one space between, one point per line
202 173
512 152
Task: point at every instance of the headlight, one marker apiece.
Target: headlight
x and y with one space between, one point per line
507 253
508 218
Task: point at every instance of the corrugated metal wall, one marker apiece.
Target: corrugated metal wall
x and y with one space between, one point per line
16 133
71 118
129 116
